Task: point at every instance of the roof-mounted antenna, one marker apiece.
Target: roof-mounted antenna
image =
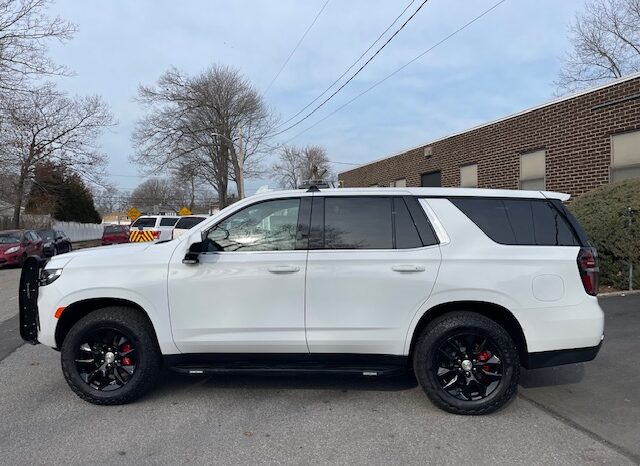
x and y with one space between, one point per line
313 189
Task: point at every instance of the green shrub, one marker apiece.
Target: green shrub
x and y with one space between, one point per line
604 213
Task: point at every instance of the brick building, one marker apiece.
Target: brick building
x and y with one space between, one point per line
571 144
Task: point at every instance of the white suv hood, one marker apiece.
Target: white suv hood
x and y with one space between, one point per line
98 253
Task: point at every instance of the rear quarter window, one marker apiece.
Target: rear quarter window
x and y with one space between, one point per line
525 222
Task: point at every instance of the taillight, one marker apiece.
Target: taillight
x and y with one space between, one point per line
156 234
589 270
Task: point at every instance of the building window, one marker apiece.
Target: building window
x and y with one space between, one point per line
625 156
532 171
401 183
431 180
469 176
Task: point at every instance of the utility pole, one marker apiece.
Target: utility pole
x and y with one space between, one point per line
240 175
631 212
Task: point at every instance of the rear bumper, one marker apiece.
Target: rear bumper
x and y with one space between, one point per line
560 357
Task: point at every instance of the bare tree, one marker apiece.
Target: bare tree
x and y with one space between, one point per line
45 125
109 199
24 31
606 44
215 121
296 165
157 192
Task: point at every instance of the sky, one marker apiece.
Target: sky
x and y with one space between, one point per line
503 63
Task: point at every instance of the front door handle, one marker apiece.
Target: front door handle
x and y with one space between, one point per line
408 268
284 269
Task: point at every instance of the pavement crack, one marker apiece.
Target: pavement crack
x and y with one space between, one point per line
565 420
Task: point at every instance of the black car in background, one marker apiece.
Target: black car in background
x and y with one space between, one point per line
54 242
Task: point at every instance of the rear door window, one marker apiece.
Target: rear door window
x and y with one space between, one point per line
519 221
144 222
406 232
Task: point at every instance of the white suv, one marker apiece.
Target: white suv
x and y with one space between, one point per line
463 286
152 228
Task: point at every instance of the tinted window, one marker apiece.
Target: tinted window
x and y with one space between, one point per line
186 223
431 180
267 226
47 235
358 223
113 229
168 221
144 222
406 232
519 221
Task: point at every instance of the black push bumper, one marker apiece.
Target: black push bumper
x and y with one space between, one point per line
28 299
559 357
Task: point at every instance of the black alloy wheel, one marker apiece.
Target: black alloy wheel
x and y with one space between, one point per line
469 366
111 356
466 363
106 360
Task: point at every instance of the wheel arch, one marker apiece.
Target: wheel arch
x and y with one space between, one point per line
499 314
77 310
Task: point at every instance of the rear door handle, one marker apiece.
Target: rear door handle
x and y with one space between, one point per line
408 268
284 269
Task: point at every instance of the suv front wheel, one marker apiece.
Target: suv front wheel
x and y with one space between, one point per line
111 357
466 363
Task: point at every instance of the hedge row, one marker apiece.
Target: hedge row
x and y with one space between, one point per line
604 213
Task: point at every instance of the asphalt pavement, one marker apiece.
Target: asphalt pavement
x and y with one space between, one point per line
9 279
576 414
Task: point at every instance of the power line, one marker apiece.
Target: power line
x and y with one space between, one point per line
466 25
350 67
296 47
356 73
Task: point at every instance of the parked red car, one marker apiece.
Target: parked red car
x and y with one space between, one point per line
115 234
17 245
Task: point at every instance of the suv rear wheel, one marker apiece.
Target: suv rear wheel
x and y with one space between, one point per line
466 363
111 357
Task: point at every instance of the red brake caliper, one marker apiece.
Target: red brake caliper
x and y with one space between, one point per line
484 356
126 360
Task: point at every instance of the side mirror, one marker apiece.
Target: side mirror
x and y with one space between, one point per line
191 257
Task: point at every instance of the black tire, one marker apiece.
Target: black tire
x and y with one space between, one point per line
148 359
428 360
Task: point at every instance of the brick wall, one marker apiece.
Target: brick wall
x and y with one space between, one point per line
575 134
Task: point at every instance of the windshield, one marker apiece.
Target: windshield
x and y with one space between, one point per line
10 238
114 229
46 235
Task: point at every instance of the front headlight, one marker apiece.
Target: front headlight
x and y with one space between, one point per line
48 276
12 250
